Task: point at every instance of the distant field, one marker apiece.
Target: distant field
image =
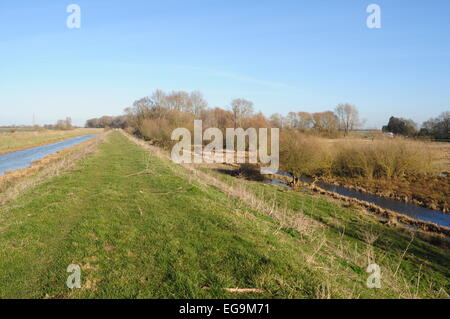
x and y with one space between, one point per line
443 155
441 149
366 134
25 137
8 129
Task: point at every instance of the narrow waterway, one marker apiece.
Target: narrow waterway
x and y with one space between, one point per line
24 158
410 209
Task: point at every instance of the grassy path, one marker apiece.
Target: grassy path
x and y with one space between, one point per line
139 230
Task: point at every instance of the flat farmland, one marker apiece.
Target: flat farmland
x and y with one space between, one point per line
12 139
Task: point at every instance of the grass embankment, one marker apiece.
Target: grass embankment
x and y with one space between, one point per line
140 226
11 142
13 183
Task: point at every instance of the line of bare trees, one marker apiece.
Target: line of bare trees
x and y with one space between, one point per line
108 121
155 116
63 125
345 118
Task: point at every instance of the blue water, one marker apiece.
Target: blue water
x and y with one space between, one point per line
409 209
278 182
24 158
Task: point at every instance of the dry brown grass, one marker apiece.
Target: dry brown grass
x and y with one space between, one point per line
382 158
14 183
11 142
302 154
355 157
442 160
399 168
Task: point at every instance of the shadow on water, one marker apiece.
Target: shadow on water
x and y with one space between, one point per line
23 159
247 171
410 209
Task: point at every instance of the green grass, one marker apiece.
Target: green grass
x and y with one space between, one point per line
349 227
163 235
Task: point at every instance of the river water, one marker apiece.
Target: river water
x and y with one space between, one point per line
24 158
410 209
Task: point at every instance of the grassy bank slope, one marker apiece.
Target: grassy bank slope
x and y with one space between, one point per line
10 142
141 228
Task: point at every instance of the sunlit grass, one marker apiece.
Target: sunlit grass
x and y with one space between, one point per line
10 141
141 227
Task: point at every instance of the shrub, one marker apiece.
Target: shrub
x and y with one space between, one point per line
159 130
354 161
156 130
303 155
382 159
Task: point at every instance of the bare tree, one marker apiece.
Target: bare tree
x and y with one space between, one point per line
277 120
159 98
217 117
198 103
306 121
293 120
64 124
325 122
241 108
178 100
348 116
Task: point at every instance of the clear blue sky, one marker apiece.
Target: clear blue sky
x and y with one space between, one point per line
283 55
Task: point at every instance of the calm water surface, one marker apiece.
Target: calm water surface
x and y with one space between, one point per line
24 158
410 209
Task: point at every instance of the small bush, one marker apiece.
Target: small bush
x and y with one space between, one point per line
304 155
159 130
153 129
